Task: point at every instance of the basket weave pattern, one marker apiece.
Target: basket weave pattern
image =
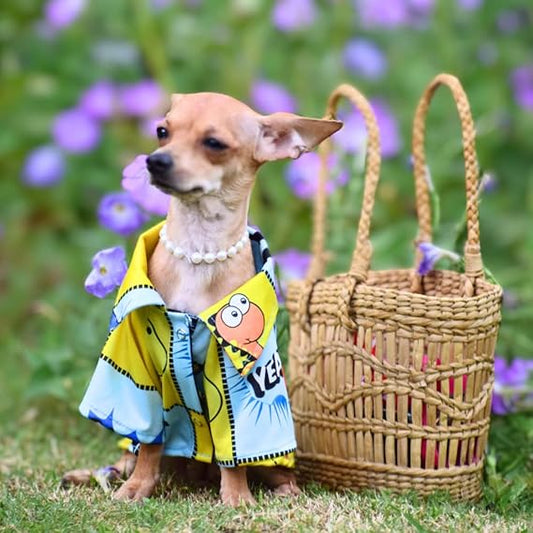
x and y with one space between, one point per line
391 372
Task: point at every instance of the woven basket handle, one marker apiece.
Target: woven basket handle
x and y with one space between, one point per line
363 249
472 252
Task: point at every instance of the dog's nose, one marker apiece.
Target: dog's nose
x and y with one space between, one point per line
159 163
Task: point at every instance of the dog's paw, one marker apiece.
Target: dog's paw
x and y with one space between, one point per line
81 476
135 490
287 489
234 498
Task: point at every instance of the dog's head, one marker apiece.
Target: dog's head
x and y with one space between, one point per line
211 141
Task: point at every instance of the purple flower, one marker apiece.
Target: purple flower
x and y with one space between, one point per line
75 131
109 268
98 101
512 387
158 5
509 21
430 255
469 5
269 97
118 212
510 300
302 175
388 126
292 15
352 136
488 183
375 14
62 13
136 180
522 85
363 58
141 99
394 13
44 166
292 265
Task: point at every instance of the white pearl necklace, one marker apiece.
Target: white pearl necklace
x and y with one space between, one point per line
197 257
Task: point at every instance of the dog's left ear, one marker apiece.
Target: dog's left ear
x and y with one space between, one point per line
283 135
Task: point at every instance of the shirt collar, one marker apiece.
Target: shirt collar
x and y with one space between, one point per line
137 290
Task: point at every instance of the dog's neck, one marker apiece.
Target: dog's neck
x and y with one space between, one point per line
207 223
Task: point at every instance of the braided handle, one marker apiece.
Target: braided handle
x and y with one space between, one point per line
472 252
363 249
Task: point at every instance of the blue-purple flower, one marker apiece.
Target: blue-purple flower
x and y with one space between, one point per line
76 131
488 183
302 175
364 58
60 14
513 387
141 99
136 180
394 13
293 15
374 14
109 268
158 5
352 137
430 255
509 21
119 213
99 100
522 85
44 166
269 97
292 265
469 5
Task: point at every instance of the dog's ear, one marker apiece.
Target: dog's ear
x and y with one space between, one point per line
283 135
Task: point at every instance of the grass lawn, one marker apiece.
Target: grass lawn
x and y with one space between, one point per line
50 438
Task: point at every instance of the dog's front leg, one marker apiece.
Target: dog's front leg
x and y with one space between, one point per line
145 476
234 488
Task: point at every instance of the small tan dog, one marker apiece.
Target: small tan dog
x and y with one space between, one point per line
211 147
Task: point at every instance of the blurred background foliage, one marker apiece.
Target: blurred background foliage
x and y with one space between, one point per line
52 330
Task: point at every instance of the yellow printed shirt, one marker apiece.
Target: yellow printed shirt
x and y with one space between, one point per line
208 387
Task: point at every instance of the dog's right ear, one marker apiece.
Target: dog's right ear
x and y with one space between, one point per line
283 135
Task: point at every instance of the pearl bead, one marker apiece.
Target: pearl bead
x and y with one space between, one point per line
232 250
196 258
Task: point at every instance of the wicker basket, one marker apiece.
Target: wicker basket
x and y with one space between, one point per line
391 372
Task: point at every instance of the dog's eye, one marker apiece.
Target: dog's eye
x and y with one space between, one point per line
162 133
214 144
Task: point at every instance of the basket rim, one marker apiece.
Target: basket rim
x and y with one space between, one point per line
489 289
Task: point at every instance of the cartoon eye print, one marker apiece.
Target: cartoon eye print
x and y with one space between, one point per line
241 322
231 316
241 302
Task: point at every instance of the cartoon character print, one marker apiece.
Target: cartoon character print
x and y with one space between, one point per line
241 322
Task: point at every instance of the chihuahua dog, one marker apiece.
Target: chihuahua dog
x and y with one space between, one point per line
203 282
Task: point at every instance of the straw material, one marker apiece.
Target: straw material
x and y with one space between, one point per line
391 372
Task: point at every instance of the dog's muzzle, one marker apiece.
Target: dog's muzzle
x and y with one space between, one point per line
159 163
